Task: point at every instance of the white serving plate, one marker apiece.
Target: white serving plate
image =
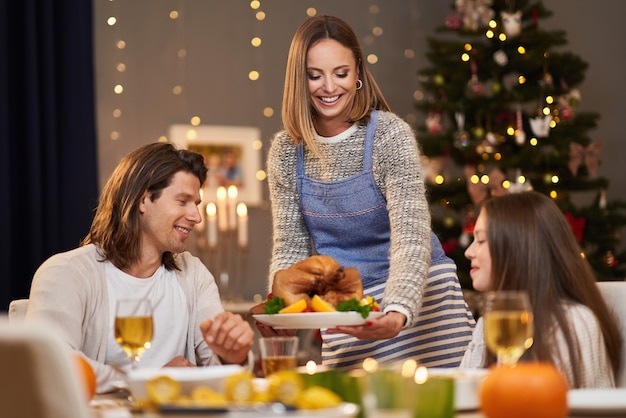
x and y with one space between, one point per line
466 385
597 402
315 320
189 377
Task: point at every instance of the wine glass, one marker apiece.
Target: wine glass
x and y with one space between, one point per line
133 327
509 327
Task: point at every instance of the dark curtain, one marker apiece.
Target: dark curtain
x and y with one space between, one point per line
48 170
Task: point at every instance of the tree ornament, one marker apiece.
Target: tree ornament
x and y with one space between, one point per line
474 13
469 222
461 136
494 138
474 86
577 224
589 156
521 184
454 21
520 135
433 122
602 200
540 125
511 23
500 58
609 259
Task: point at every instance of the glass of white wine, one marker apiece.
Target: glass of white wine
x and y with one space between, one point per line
134 327
508 324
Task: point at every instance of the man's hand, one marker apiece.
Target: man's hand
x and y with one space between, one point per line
229 336
179 361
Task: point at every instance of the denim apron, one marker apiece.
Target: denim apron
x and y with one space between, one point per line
348 220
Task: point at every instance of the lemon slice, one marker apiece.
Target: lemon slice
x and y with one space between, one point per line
297 307
284 386
317 397
239 387
320 305
162 389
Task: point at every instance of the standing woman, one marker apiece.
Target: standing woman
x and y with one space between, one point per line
523 242
345 181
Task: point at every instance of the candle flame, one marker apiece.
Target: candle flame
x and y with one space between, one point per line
242 209
211 209
221 193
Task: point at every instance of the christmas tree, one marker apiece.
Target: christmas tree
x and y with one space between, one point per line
501 116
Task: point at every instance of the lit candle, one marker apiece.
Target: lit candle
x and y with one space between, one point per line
222 215
232 207
242 225
211 212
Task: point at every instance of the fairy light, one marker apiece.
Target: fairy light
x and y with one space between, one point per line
533 141
465 57
521 50
484 179
195 120
439 179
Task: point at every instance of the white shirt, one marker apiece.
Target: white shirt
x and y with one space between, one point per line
166 296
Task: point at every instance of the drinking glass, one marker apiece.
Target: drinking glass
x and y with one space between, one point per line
278 353
134 327
509 327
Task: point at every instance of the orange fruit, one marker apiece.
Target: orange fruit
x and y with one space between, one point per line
297 307
530 389
86 375
320 305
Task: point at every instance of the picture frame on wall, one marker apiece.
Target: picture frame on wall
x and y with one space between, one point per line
232 155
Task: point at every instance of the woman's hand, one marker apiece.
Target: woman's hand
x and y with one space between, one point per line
383 328
229 336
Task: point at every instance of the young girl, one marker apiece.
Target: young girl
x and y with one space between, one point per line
523 242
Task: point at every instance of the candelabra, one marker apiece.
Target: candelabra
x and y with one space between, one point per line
223 240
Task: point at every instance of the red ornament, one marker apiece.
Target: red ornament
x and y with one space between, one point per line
577 224
449 246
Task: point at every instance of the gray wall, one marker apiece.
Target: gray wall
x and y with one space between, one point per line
216 35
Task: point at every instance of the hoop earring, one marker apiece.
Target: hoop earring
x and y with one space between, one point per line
359 84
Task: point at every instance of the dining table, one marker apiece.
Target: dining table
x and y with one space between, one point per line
115 405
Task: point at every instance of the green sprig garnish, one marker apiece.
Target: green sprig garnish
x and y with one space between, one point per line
354 305
273 305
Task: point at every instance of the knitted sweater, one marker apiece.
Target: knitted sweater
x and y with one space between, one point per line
398 174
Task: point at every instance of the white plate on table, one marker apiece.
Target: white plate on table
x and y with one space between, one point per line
345 410
314 320
188 377
597 402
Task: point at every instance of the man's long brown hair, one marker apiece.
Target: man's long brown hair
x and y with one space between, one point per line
150 168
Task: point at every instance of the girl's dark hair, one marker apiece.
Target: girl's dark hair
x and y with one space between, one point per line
533 248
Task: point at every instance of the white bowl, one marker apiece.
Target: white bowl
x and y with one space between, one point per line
189 377
466 385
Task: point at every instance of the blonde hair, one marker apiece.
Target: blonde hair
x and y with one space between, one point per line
297 111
